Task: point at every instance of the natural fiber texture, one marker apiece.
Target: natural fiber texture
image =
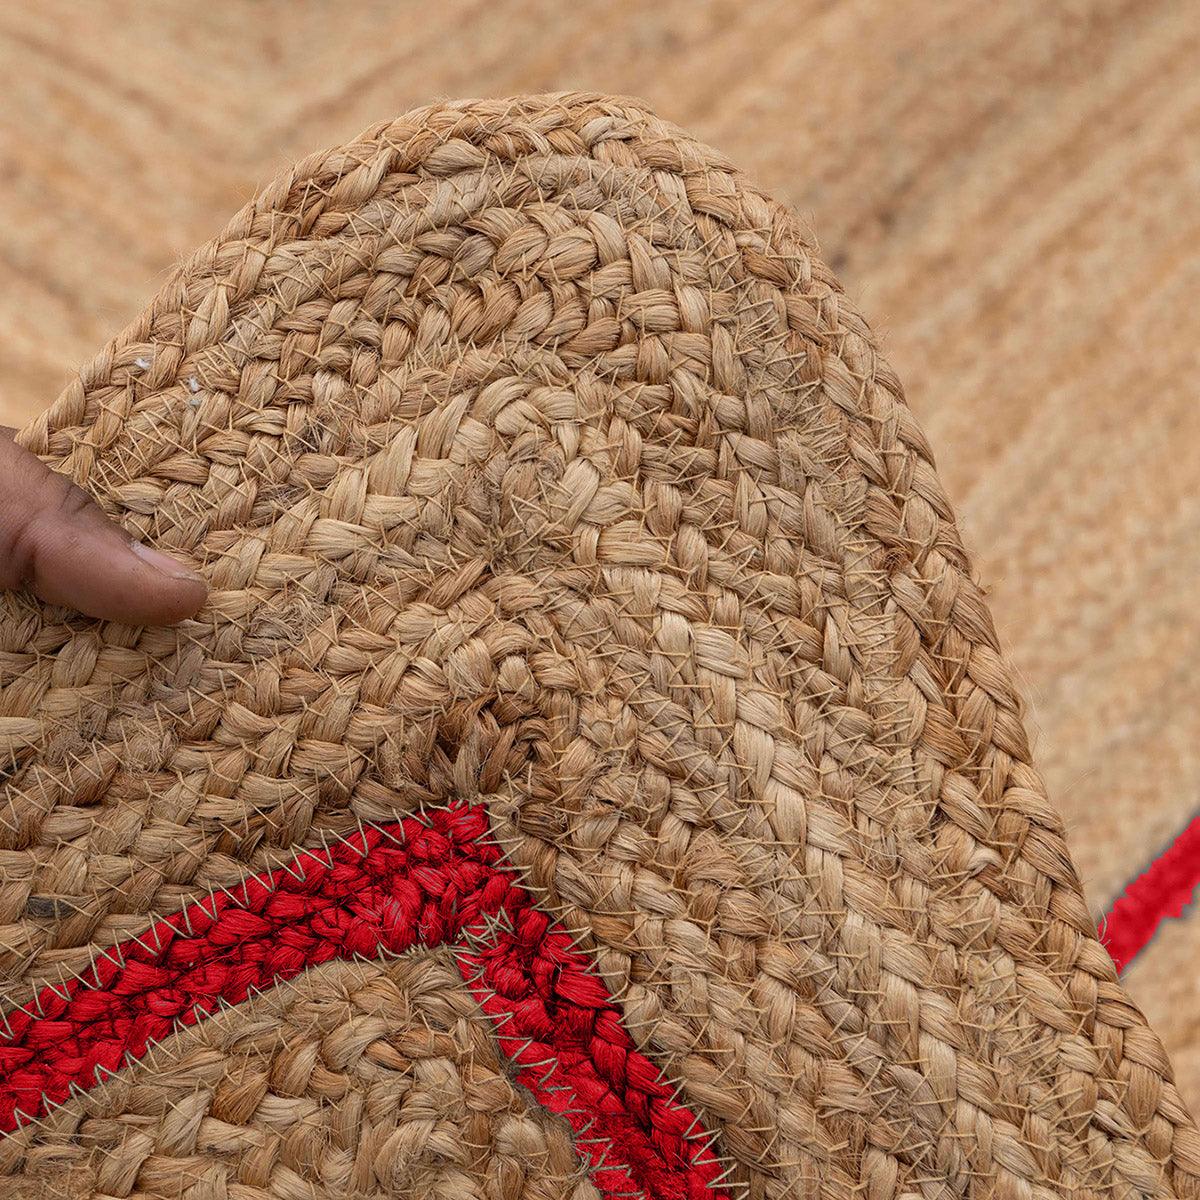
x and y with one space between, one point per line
537 462
374 1080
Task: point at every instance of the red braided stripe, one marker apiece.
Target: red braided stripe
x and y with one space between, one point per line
385 891
1163 890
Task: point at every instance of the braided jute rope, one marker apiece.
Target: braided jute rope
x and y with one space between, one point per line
539 466
374 1080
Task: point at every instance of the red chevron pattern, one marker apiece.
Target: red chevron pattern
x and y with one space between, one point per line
418 883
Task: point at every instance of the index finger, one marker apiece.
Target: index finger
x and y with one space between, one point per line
57 541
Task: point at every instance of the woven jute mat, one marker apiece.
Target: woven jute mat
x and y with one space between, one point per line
594 772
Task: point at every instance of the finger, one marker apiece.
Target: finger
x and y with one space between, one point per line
55 540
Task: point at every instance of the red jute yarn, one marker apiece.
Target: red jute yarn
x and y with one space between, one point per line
385 891
1161 892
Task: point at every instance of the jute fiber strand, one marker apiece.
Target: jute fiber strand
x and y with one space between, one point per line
538 465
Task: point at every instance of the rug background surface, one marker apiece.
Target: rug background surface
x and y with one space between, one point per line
1012 194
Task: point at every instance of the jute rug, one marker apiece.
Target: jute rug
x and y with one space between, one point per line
594 772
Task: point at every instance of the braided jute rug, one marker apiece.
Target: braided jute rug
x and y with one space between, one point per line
593 774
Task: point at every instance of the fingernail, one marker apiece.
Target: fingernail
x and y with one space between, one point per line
164 563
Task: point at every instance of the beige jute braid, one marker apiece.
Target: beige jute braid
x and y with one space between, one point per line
536 460
377 1081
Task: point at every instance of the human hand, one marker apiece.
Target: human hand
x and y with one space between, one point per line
55 540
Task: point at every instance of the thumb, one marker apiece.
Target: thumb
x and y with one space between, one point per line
55 540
